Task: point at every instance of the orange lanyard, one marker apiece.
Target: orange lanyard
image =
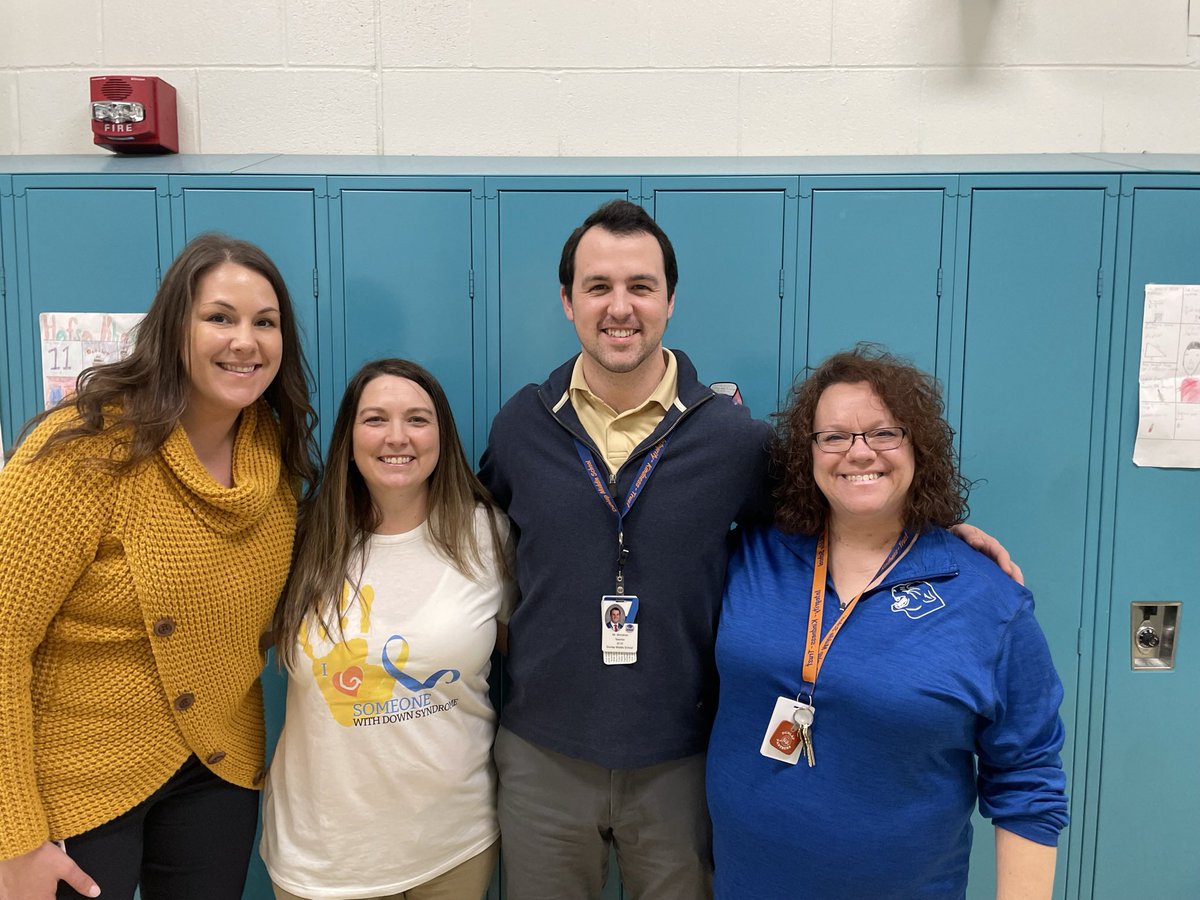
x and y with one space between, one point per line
815 649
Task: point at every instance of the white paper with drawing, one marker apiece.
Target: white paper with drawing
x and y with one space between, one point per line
1169 379
74 341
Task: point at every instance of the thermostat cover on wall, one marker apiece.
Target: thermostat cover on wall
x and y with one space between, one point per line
134 114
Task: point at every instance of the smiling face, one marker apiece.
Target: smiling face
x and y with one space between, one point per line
864 487
234 342
620 305
395 440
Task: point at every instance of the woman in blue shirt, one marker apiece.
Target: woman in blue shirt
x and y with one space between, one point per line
878 676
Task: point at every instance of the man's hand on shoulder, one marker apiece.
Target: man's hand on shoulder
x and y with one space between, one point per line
990 547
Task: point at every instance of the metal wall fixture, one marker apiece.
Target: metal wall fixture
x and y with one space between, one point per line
1153 635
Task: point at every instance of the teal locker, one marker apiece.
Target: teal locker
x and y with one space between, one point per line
734 239
1033 319
288 219
404 264
878 251
1149 784
9 389
529 220
95 244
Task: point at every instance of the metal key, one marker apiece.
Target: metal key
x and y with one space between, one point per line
803 718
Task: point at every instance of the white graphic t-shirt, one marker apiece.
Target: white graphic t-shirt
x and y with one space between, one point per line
383 777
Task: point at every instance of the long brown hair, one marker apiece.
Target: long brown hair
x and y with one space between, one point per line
340 517
938 493
142 397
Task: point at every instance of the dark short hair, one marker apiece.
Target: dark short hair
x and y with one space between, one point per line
938 494
622 218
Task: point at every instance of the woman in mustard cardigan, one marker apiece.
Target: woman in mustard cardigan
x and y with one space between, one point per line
146 527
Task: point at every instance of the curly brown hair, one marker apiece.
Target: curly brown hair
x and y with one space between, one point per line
938 494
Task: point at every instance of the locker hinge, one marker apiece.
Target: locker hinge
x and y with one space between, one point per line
157 277
3 286
939 283
316 284
471 283
1100 282
781 284
1079 642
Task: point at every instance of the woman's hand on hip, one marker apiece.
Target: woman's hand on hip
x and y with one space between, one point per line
35 875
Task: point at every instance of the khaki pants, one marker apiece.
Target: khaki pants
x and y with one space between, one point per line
466 880
560 817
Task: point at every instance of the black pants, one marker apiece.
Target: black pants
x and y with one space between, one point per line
189 840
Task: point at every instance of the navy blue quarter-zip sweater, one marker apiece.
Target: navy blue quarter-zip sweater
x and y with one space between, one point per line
712 474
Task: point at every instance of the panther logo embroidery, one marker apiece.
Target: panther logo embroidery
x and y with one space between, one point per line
916 599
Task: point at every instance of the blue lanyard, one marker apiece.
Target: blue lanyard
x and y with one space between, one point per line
639 484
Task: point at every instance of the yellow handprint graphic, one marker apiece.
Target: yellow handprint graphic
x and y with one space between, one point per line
345 677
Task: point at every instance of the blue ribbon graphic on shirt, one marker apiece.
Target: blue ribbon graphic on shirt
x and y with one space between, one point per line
394 668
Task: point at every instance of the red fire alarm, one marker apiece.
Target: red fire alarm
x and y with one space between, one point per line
134 114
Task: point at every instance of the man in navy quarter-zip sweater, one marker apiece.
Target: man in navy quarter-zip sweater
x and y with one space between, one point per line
621 469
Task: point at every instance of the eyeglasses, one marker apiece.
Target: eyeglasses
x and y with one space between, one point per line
888 438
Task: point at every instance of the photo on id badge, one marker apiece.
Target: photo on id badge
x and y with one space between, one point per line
618 629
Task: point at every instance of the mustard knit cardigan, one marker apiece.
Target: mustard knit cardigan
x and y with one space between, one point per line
130 614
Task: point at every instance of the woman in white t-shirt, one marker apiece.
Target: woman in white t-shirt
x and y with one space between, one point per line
382 785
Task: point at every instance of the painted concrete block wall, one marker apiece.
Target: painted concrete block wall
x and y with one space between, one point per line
622 77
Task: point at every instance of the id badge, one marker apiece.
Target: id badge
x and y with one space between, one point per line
618 629
781 740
